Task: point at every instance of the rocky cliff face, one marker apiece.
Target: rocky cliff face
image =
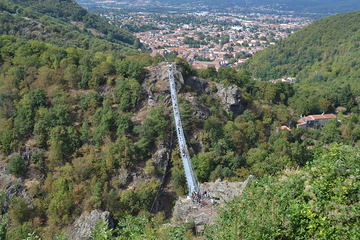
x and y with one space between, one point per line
230 96
83 226
220 191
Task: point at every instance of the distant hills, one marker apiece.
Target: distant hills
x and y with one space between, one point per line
64 23
322 7
297 6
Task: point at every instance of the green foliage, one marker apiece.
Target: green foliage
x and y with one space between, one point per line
105 120
141 198
19 211
63 142
101 231
214 88
320 200
315 56
125 124
131 69
126 93
150 168
24 231
56 17
61 204
308 46
16 165
37 157
4 224
154 127
86 99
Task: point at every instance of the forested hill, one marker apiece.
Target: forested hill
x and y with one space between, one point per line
64 23
323 51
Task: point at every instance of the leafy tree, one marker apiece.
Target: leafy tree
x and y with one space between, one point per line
125 124
62 201
105 120
19 211
131 69
331 132
37 157
86 99
4 224
150 168
16 165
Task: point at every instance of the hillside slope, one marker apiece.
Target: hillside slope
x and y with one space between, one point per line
320 201
322 51
64 23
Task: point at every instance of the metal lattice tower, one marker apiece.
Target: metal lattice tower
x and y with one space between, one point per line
191 179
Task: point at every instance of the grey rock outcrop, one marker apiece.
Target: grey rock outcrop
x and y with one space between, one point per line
225 191
83 226
160 157
230 98
11 185
199 84
220 191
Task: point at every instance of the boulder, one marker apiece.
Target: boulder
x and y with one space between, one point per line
160 157
230 98
225 191
82 227
197 83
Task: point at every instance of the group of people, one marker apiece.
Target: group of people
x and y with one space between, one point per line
197 197
156 69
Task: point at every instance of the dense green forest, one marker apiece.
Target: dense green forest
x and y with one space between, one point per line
324 59
72 26
76 107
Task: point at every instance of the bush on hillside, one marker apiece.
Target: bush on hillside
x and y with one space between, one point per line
318 202
16 165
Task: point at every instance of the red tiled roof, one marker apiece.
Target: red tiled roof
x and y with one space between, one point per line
285 127
300 122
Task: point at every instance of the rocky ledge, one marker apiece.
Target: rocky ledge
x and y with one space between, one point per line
220 191
82 227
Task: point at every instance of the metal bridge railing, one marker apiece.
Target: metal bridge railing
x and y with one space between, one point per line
191 179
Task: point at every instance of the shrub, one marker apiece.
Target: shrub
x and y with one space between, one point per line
214 88
16 165
318 202
150 169
86 99
154 89
37 157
